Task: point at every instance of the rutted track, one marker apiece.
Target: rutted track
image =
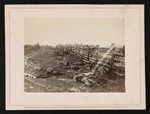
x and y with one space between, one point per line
28 62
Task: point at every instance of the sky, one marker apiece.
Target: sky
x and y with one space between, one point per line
101 32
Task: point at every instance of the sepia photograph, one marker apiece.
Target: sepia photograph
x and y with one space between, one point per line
74 55
66 57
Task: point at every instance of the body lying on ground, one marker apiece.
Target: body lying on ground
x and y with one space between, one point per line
85 78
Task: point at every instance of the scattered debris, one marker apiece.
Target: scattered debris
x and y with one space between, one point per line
59 58
86 81
49 70
72 66
73 89
63 63
85 78
29 75
58 72
70 73
31 87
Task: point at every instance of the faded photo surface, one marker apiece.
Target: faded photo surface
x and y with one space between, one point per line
74 55
66 57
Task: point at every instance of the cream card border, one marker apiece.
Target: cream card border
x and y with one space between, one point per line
132 98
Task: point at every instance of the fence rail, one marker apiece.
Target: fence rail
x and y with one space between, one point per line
91 55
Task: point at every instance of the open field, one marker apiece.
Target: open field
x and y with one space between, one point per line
64 67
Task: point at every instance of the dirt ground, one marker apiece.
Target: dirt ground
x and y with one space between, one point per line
64 82
55 84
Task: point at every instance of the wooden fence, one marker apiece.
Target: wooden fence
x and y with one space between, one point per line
91 55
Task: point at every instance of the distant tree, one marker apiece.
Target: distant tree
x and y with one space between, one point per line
27 46
123 50
37 46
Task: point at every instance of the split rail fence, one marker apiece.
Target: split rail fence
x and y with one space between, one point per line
91 55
